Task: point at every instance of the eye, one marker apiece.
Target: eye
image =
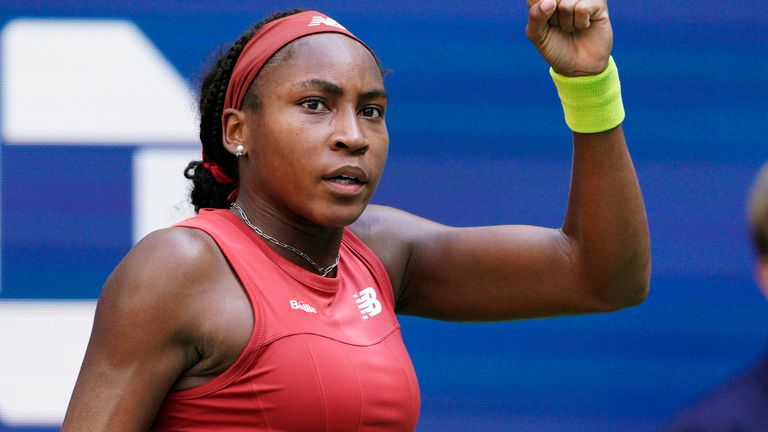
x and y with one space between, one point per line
372 112
314 105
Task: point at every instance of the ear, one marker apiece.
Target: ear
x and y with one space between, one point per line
233 129
761 274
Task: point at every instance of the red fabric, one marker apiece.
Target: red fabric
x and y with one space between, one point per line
317 359
269 40
217 172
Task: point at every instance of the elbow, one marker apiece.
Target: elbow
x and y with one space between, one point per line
627 286
632 294
642 287
620 295
610 278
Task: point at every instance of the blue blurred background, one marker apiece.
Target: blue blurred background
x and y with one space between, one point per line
477 137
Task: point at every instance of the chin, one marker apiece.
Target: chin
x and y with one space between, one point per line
340 217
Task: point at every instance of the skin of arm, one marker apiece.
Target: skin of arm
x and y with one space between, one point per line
598 261
159 319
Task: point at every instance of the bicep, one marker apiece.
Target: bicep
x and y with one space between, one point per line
129 366
479 273
492 273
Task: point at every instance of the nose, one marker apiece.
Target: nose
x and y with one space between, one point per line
348 135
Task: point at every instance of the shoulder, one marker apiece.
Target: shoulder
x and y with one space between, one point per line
149 328
179 246
392 235
164 274
381 224
162 294
169 256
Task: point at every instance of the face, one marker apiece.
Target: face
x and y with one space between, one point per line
317 143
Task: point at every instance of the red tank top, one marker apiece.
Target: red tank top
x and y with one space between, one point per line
326 354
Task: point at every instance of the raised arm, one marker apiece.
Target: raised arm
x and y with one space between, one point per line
598 261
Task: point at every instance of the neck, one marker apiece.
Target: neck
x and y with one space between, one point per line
307 245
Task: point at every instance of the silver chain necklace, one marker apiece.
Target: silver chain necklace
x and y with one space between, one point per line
324 271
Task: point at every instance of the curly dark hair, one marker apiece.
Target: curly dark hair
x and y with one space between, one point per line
206 191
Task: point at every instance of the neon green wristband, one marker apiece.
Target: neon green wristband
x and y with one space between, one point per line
591 103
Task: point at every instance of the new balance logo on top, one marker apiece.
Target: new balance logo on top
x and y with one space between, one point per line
296 304
367 302
317 20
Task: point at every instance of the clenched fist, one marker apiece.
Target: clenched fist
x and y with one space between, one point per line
573 36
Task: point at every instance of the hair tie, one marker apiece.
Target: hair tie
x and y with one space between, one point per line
217 172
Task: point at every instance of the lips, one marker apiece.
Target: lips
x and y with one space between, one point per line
347 180
347 175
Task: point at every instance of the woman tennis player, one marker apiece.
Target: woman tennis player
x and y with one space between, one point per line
274 308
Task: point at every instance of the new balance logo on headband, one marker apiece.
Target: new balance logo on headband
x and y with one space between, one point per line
317 20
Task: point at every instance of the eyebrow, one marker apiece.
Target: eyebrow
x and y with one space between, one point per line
335 89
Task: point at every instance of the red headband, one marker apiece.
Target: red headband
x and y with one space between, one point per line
260 48
269 40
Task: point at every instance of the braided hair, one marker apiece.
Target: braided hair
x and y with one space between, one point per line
206 191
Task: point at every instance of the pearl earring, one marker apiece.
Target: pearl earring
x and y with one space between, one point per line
239 151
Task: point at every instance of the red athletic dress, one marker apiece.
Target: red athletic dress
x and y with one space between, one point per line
326 354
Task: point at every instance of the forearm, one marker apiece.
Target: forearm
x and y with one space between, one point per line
606 220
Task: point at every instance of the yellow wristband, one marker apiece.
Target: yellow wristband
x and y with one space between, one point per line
591 103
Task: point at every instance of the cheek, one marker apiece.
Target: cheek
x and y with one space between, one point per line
380 151
284 146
